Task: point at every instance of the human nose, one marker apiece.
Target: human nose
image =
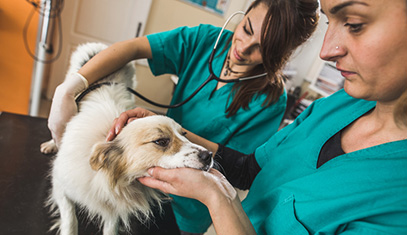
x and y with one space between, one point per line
247 46
333 46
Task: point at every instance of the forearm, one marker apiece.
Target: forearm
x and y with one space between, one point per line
114 57
228 216
211 146
210 188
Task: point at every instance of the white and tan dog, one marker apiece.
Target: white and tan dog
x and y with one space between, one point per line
100 176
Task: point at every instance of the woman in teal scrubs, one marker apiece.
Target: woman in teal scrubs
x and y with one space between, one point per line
340 168
205 114
233 114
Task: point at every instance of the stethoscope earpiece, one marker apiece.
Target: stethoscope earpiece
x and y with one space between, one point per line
212 74
226 24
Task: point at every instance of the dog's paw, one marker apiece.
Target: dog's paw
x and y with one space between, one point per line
49 147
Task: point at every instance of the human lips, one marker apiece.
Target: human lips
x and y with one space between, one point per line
237 56
345 73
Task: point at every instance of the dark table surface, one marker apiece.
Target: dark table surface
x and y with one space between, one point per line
24 183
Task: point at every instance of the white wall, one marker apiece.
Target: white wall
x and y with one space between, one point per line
307 56
169 14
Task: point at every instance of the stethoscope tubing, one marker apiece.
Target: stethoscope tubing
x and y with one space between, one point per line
211 77
174 105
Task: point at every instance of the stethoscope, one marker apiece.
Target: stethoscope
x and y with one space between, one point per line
211 77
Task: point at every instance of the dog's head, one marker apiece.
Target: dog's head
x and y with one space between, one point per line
144 143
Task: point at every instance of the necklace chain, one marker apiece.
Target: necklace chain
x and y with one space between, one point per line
228 70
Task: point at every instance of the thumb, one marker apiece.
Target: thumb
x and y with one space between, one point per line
159 179
160 173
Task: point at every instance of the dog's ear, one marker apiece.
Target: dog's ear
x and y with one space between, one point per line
105 155
109 157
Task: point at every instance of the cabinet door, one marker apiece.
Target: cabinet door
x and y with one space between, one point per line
105 21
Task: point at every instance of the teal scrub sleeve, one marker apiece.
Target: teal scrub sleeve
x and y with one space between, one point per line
171 49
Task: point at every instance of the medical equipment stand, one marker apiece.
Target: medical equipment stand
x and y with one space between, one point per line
43 50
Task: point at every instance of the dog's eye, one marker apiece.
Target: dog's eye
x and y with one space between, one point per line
184 133
163 142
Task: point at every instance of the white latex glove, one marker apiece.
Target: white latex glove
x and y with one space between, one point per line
63 106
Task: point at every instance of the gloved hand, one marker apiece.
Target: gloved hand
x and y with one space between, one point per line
63 106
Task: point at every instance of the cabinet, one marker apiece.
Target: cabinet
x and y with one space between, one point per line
103 21
325 78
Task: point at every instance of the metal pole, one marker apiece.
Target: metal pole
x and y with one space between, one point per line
43 50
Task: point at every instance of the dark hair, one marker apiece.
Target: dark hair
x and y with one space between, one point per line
288 24
400 112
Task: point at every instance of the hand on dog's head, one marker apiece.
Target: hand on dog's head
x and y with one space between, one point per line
145 143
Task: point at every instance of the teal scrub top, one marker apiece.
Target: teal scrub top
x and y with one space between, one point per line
361 192
185 52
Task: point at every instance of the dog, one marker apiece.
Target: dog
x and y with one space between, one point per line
101 177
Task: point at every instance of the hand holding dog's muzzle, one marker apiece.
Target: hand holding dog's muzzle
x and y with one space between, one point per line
191 183
63 106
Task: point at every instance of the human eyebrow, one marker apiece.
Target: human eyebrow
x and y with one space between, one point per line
334 10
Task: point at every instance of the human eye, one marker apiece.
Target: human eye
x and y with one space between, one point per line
354 28
246 30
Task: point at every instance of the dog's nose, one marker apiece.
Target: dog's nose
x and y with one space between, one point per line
205 157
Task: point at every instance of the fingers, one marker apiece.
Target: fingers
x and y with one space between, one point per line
159 180
56 132
130 120
188 182
112 133
139 113
217 173
156 184
166 180
121 121
56 138
125 118
161 173
185 182
117 126
63 108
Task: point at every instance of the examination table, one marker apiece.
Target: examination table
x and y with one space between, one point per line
24 185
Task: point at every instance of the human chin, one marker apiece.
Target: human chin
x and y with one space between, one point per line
357 89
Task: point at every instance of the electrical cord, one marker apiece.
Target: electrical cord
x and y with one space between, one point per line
53 14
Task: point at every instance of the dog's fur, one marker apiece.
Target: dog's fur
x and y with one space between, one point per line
100 176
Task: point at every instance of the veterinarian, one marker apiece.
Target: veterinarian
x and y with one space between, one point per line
233 114
340 168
